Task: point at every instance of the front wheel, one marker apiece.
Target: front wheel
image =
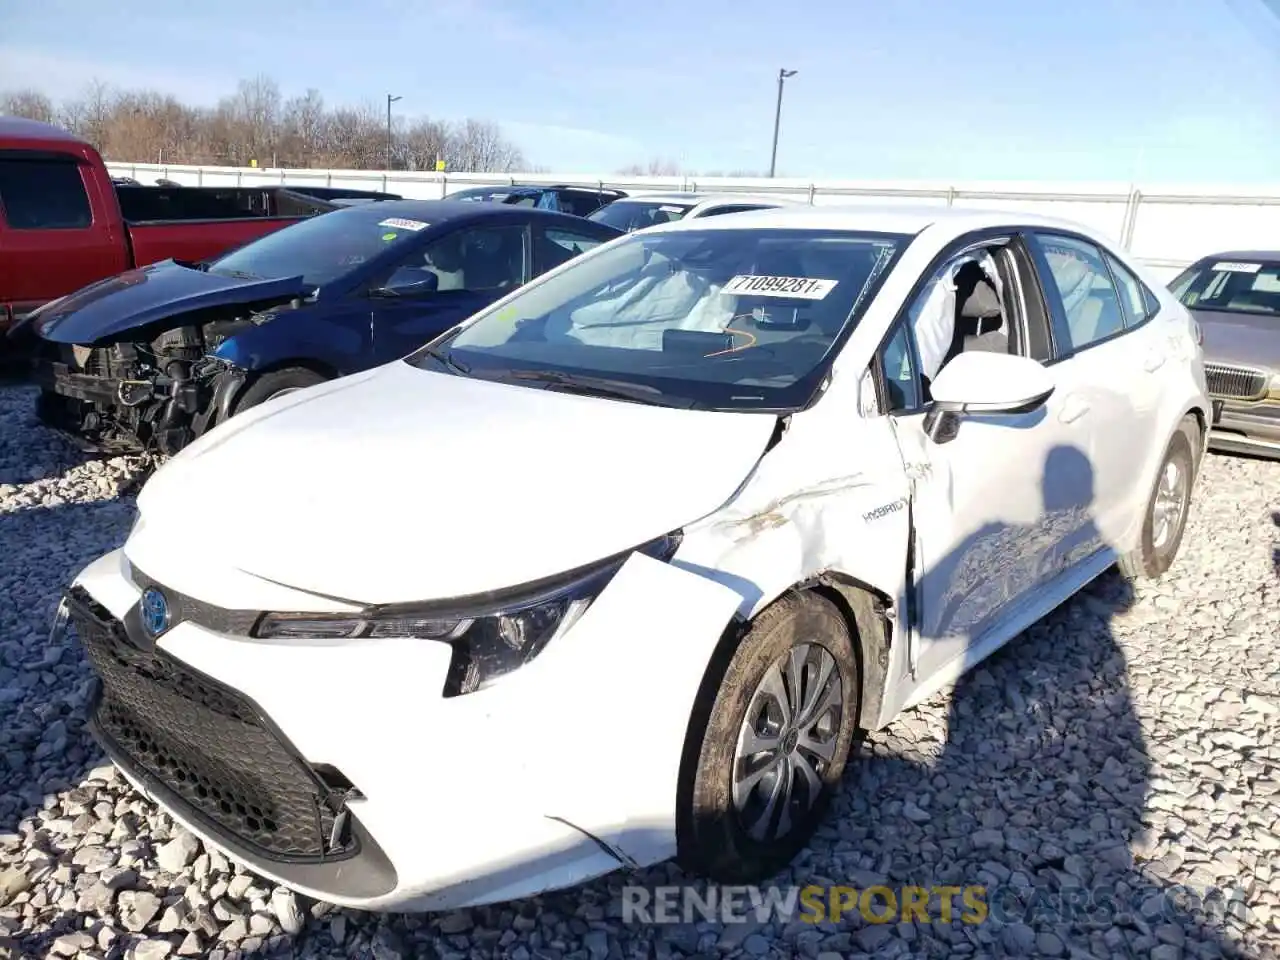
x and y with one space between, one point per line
774 746
276 383
1168 507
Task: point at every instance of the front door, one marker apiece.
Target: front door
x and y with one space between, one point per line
444 283
995 499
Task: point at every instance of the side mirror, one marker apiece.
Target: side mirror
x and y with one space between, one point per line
981 382
407 282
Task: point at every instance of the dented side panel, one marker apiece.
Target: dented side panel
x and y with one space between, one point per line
831 498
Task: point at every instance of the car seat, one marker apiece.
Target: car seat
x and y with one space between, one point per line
980 319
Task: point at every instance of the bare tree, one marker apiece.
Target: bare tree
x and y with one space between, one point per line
255 124
654 168
479 146
304 126
423 144
31 104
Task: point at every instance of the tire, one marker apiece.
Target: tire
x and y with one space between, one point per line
714 839
1165 519
276 382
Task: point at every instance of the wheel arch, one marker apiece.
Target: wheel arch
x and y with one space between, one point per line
866 613
318 367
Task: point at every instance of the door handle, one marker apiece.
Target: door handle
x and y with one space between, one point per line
1073 409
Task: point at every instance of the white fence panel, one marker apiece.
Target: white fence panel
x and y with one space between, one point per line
1185 228
1166 227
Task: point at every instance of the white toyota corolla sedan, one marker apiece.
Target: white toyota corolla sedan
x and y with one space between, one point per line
611 572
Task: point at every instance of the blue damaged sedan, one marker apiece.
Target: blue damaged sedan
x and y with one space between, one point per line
153 358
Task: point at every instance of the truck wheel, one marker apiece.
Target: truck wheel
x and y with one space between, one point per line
1167 508
772 750
277 383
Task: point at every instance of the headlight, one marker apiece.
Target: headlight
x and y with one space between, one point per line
490 637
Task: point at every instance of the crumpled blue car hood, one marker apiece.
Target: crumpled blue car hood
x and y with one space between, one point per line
139 297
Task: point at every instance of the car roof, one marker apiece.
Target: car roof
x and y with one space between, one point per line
440 211
20 128
874 218
689 198
1242 255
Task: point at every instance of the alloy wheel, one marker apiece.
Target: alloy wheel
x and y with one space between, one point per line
1170 504
787 740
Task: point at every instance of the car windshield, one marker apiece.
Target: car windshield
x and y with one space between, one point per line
321 248
723 319
631 215
1231 286
516 195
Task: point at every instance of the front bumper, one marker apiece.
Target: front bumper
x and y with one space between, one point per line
1249 428
102 413
561 772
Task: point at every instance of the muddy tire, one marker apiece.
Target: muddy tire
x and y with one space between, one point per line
1165 520
276 382
773 745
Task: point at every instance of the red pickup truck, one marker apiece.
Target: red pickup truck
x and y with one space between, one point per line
65 224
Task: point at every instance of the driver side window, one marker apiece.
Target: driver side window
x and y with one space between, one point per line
474 259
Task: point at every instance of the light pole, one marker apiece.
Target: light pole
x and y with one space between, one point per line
390 101
777 117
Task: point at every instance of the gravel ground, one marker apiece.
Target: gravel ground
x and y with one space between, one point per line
1127 743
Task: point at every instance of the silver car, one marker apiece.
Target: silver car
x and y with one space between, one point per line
1235 297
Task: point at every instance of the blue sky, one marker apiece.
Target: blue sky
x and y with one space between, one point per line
1146 90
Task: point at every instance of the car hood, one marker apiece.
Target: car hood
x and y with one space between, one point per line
139 297
401 484
1243 339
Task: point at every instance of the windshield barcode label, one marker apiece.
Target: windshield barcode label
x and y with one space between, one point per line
399 223
1234 266
803 288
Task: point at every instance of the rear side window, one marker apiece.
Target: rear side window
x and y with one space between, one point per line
554 246
579 203
1134 296
43 195
1082 295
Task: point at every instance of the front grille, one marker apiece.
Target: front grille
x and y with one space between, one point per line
1235 383
207 745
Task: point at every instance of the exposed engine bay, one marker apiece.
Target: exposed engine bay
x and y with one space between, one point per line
129 395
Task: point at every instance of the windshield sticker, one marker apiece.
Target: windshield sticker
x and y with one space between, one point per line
390 236
402 224
672 209
803 288
1232 266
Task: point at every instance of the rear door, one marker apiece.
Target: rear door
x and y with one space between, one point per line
1107 369
52 240
438 286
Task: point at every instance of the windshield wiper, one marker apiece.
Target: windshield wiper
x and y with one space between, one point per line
456 366
603 387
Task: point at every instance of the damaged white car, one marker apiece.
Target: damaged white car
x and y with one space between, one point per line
610 573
